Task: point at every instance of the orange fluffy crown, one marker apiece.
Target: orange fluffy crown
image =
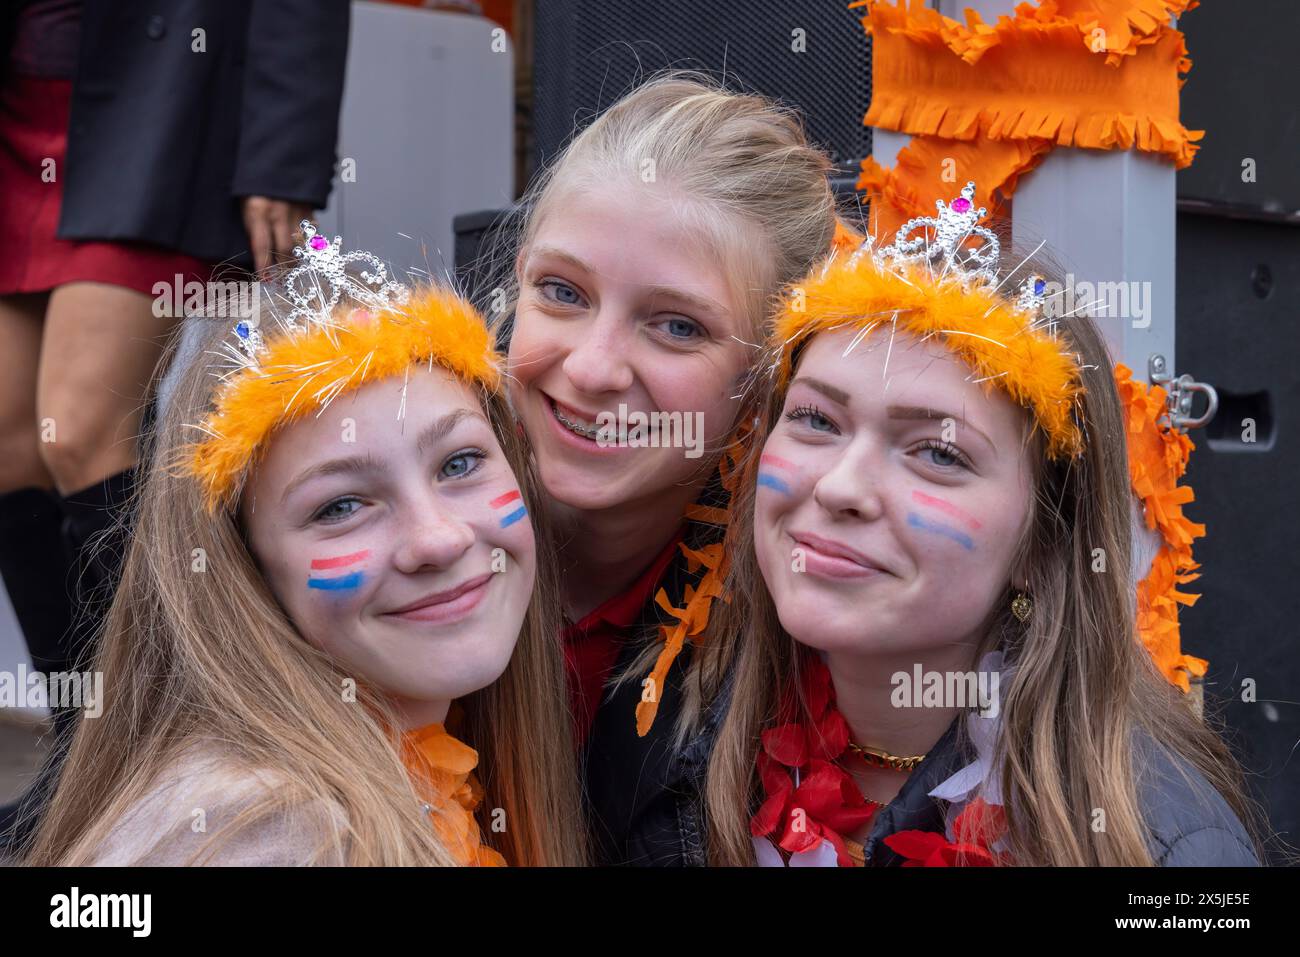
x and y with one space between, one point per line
302 369
932 286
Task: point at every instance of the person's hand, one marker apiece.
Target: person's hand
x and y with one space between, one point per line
271 224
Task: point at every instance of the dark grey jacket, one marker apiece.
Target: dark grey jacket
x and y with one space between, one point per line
164 140
1190 823
644 797
643 794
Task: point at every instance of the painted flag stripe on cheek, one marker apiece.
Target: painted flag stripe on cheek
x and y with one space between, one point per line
949 509
339 561
515 514
770 479
346 582
938 528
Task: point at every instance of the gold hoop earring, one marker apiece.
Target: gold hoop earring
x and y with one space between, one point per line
1022 606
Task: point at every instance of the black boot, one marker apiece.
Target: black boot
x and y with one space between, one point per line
95 533
95 536
35 568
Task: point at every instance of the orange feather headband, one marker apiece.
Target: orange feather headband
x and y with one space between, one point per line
934 285
313 357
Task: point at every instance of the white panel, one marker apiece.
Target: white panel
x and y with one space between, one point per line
1110 218
428 118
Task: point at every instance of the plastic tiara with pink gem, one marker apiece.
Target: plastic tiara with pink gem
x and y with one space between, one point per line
948 255
318 284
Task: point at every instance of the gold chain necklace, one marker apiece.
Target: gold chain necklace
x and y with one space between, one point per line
883 759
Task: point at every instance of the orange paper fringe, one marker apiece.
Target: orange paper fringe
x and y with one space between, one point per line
929 165
1100 74
1157 460
1124 25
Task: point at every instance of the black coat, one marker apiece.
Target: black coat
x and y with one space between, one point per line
644 797
163 141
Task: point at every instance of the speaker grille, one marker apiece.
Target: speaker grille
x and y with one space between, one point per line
588 53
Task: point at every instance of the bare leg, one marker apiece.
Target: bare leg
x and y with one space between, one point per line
101 346
21 326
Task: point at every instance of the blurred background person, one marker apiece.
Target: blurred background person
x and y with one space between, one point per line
139 144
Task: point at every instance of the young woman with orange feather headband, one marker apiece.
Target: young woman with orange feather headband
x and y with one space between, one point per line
334 639
939 662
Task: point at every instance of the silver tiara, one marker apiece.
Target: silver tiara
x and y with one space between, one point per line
313 288
942 245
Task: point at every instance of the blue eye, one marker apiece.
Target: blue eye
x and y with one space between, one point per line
462 463
816 421
335 511
559 292
680 328
945 450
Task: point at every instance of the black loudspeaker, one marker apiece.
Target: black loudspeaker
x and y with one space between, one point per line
588 53
1237 285
1238 278
1237 91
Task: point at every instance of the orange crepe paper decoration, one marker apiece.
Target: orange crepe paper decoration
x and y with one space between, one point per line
1158 458
1100 74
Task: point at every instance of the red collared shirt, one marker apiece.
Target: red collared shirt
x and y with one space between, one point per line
592 645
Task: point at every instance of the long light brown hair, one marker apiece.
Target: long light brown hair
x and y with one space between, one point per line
1082 685
192 656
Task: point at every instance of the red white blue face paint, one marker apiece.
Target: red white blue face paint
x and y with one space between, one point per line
328 574
775 472
512 506
959 516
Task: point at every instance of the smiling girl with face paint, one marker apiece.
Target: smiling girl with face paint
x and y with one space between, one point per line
334 640
934 475
647 260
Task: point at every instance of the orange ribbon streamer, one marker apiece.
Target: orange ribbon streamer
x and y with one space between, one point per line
694 616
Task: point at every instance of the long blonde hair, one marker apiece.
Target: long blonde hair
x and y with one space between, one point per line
1082 685
190 656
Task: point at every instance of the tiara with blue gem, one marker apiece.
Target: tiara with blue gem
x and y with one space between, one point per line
315 287
942 244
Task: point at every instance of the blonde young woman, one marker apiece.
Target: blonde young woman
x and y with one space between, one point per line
329 607
938 467
644 271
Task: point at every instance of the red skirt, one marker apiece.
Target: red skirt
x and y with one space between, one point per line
34 130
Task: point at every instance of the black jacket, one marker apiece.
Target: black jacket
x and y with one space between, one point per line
644 797
163 140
